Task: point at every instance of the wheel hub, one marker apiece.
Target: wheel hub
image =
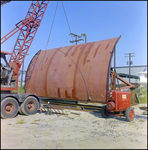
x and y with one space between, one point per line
131 114
9 108
30 105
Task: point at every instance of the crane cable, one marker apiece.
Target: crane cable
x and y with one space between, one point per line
67 19
53 22
66 16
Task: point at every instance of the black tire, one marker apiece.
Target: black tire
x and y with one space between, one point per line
130 114
9 107
103 112
30 106
20 110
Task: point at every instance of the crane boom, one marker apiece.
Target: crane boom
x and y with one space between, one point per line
27 33
19 26
27 30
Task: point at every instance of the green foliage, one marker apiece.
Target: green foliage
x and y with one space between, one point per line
21 121
142 94
37 120
20 90
141 120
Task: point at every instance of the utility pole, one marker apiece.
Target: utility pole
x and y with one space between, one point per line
130 62
83 34
76 38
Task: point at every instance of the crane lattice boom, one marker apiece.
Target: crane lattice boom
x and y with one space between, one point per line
27 32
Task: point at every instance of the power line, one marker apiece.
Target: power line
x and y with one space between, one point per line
58 40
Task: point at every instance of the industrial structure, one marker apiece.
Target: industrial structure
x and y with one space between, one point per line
138 74
78 73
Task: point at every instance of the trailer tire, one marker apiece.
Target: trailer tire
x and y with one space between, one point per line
20 110
103 112
30 106
130 114
9 107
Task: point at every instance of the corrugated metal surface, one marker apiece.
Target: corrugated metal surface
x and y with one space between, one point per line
78 72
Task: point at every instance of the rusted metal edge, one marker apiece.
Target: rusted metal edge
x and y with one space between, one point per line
109 66
27 79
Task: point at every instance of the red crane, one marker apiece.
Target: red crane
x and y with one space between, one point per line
10 102
27 29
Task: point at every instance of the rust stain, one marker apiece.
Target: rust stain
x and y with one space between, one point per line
75 73
107 46
96 51
45 88
74 94
69 65
47 58
87 53
41 61
68 51
66 94
76 48
59 93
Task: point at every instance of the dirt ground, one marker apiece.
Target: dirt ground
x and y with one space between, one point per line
76 130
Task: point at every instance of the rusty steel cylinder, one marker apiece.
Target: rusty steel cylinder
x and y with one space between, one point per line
79 72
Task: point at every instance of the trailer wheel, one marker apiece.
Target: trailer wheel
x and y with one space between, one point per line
9 107
29 106
129 113
20 110
103 112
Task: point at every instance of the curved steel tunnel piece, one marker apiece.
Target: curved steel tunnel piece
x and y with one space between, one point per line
80 72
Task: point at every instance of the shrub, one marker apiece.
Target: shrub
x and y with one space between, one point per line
142 94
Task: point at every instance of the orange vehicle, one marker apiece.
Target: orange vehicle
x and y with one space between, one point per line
11 103
118 103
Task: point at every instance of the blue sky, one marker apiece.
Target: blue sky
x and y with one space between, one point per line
100 20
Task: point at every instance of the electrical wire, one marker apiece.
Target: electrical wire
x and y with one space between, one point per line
59 41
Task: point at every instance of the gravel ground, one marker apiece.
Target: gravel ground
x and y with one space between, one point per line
76 130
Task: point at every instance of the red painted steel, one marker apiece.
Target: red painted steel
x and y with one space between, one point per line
80 72
26 35
110 105
131 114
6 53
120 98
129 85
